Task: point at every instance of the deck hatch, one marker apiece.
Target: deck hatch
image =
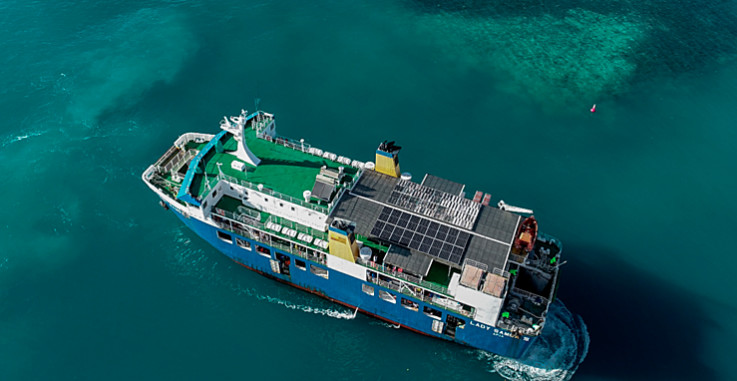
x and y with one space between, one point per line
408 260
323 191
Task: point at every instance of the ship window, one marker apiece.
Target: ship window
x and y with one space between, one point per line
243 243
319 271
410 305
371 276
292 209
387 296
300 264
452 323
433 313
225 237
266 199
367 289
263 251
214 193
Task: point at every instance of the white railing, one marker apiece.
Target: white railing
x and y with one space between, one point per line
285 197
397 280
293 144
409 278
500 272
478 265
231 221
192 136
439 301
179 160
316 207
298 227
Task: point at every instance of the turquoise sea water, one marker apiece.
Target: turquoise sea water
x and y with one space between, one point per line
97 282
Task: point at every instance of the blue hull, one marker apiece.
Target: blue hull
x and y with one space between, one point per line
347 290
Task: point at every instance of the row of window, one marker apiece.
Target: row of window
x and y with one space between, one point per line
406 303
366 288
243 243
448 328
319 271
300 264
259 236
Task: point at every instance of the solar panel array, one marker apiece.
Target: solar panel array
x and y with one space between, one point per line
421 234
434 203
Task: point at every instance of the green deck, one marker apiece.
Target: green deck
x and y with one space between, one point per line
231 204
439 274
282 169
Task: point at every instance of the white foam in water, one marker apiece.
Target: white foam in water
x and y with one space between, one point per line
555 356
17 138
385 324
334 313
195 263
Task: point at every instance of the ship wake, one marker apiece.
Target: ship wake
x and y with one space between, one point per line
385 324
330 312
555 356
196 263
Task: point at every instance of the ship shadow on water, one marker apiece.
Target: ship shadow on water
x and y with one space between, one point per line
641 328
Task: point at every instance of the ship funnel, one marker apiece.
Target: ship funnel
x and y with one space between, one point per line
236 125
342 240
387 159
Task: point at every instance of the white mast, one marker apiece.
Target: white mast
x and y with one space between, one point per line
236 126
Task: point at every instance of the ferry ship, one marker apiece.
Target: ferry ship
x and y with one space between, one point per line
416 254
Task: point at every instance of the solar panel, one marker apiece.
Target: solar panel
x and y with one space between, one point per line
421 234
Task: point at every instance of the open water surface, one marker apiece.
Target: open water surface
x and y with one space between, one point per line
97 282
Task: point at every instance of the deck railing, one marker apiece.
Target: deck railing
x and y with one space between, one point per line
500 272
409 278
442 302
316 207
285 197
298 227
176 162
529 295
293 248
476 264
241 218
516 258
197 137
293 144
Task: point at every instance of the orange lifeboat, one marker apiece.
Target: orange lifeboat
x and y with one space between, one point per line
527 234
